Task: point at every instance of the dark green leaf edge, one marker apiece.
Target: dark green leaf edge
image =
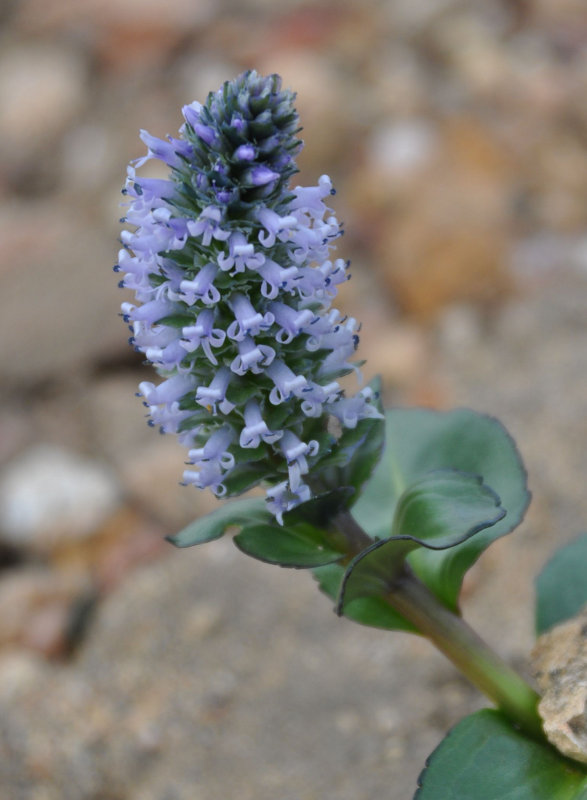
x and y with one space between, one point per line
470 531
499 425
214 525
373 612
522 466
421 542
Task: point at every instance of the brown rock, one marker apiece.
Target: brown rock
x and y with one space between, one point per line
59 281
449 236
328 133
560 668
123 35
42 88
36 608
125 540
435 267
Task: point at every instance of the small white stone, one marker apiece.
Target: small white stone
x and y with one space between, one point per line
403 147
19 671
49 494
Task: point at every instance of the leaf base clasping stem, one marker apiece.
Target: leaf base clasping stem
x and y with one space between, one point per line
457 640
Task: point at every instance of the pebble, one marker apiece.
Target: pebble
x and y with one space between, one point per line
20 671
36 609
60 281
49 494
400 148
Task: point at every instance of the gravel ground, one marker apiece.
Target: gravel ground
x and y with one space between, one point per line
455 134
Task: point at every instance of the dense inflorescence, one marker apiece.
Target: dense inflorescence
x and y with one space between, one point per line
233 285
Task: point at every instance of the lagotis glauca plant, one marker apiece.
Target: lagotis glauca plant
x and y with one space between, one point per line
234 277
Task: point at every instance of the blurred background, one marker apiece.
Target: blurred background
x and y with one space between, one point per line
456 134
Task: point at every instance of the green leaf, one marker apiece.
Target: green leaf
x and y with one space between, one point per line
372 611
301 547
419 441
439 511
561 587
304 540
485 758
445 508
214 525
276 416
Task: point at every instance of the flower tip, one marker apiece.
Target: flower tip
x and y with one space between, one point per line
191 112
261 176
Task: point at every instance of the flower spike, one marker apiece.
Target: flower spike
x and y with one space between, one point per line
234 278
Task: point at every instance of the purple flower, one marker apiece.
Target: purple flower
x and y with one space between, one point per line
256 428
252 357
241 255
201 287
213 397
203 335
234 279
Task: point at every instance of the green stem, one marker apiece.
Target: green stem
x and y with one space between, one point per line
356 538
453 637
468 652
